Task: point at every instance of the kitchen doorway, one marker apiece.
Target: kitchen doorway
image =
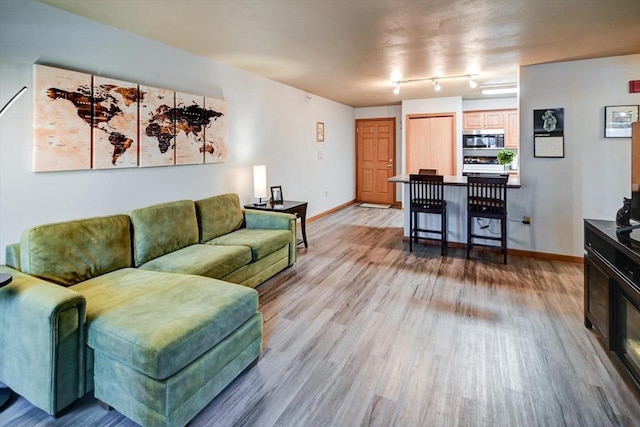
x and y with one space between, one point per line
375 160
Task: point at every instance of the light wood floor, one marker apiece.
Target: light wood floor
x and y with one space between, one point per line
360 332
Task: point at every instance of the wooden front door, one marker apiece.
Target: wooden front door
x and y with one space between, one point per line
431 143
375 160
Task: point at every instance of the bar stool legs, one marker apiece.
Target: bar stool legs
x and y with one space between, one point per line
503 234
443 243
502 238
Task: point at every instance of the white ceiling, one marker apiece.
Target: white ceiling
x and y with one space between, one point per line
347 50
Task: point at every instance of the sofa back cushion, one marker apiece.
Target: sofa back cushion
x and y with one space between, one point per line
219 215
71 252
162 229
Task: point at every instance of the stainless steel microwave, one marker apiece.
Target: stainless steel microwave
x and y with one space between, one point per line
483 139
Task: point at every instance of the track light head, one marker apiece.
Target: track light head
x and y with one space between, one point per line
472 83
396 90
437 87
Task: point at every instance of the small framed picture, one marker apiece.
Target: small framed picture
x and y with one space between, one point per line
618 119
276 195
320 132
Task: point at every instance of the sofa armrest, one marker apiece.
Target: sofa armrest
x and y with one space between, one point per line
12 256
42 341
268 220
274 220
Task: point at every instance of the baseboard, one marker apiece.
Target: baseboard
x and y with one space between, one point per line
330 211
517 252
546 255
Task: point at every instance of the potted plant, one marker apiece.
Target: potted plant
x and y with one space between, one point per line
505 157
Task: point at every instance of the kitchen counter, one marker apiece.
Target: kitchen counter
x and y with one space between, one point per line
514 180
455 194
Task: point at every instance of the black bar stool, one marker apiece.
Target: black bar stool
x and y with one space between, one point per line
426 195
487 198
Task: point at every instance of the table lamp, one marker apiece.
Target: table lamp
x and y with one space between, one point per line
260 184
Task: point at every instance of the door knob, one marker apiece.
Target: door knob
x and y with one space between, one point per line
389 165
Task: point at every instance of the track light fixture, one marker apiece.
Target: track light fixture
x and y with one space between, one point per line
435 81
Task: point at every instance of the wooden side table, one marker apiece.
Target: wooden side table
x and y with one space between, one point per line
5 393
299 209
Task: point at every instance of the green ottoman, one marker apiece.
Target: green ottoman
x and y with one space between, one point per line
166 344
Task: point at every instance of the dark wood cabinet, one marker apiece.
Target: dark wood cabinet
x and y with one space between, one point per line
596 298
612 292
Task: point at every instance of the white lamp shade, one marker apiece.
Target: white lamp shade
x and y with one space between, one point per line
259 181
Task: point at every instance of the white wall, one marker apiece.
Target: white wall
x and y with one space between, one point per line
595 174
269 123
394 111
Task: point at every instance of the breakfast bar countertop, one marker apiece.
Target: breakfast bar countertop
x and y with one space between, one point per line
514 180
456 196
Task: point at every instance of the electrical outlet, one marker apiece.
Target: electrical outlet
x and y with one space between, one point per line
526 220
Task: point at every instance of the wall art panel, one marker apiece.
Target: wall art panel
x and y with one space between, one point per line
115 123
189 115
62 126
157 127
215 132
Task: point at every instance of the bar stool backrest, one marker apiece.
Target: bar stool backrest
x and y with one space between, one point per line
487 195
426 193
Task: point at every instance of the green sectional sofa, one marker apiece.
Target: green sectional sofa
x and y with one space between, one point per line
144 309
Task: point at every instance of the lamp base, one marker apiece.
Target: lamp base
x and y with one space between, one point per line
260 202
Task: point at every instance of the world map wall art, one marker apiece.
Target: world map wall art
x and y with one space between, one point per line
92 122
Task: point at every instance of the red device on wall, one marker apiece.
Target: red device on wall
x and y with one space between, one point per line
634 86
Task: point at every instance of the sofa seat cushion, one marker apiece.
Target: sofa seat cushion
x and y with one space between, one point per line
202 260
158 323
262 242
